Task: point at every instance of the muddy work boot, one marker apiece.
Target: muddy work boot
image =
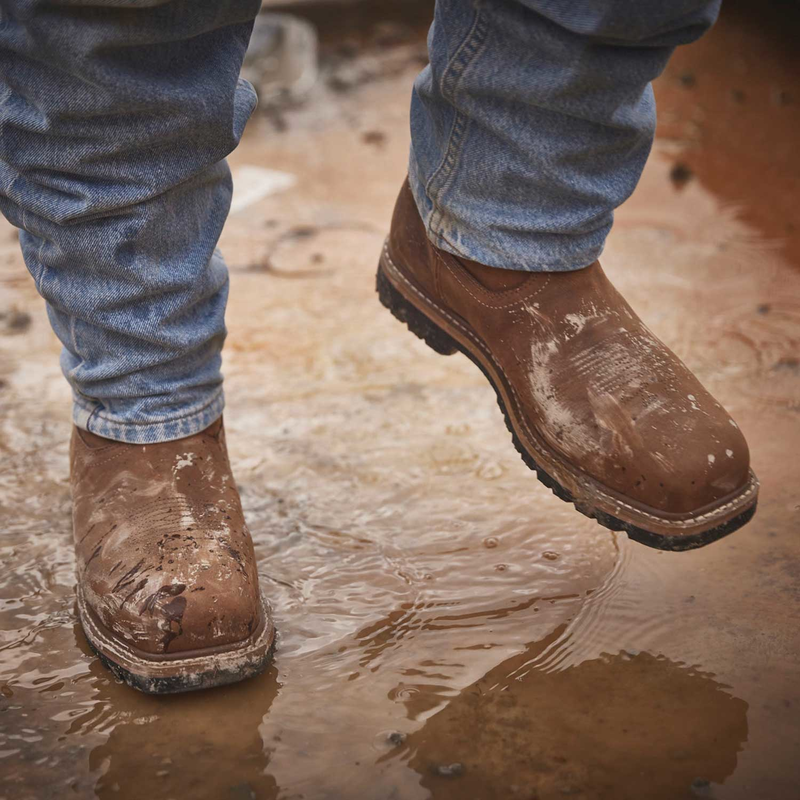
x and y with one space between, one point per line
167 585
609 418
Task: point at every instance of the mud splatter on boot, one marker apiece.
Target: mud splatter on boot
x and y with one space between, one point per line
168 590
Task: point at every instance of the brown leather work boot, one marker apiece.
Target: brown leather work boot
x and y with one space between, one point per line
609 418
167 584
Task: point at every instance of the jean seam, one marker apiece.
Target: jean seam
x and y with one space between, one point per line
542 266
41 271
95 413
92 414
462 59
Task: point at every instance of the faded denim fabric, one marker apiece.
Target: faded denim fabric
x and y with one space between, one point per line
534 120
530 126
115 118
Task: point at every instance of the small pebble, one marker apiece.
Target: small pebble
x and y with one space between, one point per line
680 174
14 321
376 138
780 97
701 787
449 770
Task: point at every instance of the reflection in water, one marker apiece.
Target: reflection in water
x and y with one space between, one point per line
616 727
622 726
186 746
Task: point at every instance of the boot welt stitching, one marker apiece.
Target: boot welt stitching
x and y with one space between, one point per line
487 305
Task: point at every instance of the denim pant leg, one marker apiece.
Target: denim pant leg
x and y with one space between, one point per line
534 120
115 119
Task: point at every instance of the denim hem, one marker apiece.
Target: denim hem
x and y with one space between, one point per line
515 252
88 416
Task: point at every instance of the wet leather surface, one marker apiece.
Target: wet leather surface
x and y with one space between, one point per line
164 557
589 377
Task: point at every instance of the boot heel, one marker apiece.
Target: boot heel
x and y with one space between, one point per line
417 322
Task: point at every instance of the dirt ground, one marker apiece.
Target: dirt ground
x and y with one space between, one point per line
448 628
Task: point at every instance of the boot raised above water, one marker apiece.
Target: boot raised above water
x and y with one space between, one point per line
168 590
607 415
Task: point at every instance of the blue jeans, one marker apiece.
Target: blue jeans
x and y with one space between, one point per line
529 127
534 120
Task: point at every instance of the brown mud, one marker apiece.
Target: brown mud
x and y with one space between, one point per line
448 628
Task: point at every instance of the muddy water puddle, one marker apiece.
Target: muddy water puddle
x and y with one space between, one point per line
434 642
448 628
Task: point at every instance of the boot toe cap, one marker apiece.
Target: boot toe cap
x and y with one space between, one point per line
168 614
687 475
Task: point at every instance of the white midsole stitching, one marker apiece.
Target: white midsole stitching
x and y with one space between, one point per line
216 660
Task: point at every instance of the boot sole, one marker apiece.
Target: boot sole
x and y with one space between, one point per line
187 672
447 335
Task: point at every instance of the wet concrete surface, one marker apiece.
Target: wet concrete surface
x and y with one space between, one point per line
448 628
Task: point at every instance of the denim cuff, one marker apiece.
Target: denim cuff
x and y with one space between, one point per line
92 416
524 251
